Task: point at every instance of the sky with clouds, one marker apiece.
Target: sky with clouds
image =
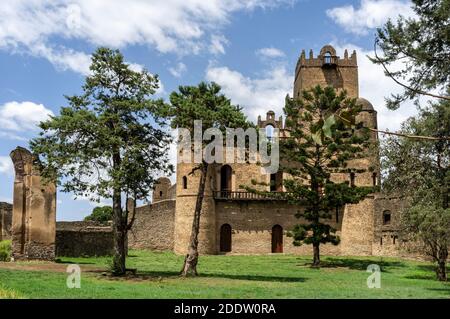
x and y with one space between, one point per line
249 47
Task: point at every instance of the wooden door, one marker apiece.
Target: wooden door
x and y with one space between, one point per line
277 239
225 238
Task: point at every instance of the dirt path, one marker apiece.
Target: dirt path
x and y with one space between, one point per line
46 266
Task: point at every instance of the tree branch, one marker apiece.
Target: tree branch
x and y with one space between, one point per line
417 91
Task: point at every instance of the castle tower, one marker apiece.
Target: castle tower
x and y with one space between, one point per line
327 69
161 191
186 196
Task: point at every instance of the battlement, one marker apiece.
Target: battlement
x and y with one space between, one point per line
326 58
327 69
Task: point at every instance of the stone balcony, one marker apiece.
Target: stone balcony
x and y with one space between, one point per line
249 196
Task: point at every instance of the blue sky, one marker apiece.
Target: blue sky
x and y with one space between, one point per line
249 47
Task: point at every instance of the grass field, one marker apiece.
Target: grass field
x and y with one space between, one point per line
270 276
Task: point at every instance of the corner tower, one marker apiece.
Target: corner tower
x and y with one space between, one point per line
327 69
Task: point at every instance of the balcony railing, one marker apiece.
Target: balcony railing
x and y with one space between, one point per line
246 196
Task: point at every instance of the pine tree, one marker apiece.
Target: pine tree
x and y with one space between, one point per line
107 143
203 102
422 43
323 136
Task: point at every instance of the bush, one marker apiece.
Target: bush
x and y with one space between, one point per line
101 214
5 250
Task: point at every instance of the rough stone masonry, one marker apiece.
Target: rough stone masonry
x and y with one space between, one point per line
34 210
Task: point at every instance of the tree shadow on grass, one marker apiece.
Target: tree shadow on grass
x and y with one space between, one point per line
159 275
358 264
59 261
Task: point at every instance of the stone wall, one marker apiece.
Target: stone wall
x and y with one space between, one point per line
252 222
83 239
34 210
5 221
153 227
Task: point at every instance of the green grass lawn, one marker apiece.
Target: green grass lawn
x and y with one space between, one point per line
270 276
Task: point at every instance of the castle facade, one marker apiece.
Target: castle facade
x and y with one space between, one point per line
234 221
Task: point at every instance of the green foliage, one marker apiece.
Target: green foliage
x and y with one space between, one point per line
100 214
108 138
204 102
5 250
419 171
231 276
423 44
323 137
109 142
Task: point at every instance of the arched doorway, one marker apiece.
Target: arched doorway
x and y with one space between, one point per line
225 238
225 178
277 239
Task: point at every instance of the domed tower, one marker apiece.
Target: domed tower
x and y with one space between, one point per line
371 162
329 69
161 190
187 185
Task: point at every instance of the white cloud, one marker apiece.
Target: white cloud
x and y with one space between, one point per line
178 70
270 53
369 15
256 95
22 116
218 43
375 86
177 26
6 165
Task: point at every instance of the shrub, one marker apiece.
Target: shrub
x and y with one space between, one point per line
5 250
101 214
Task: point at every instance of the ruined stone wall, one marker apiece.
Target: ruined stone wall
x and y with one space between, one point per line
34 210
387 238
153 227
5 221
84 239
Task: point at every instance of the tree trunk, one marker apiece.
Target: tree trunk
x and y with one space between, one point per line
119 227
441 270
191 260
316 258
120 235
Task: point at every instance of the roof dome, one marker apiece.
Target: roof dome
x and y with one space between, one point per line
366 105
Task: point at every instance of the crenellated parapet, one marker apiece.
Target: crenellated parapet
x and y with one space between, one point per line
327 69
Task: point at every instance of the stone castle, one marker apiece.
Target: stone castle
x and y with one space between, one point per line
235 221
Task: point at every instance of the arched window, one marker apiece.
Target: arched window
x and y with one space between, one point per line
277 239
386 217
225 238
184 182
327 58
225 178
270 132
160 193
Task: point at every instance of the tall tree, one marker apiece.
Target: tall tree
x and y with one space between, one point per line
422 42
419 171
108 143
203 102
323 136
